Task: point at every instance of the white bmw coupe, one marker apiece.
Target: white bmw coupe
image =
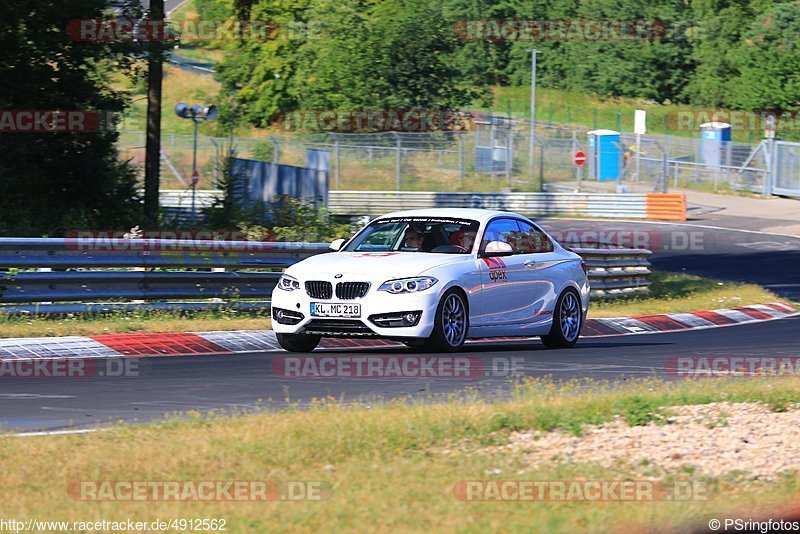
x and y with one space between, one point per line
433 278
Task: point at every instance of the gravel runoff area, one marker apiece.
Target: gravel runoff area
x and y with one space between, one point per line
715 439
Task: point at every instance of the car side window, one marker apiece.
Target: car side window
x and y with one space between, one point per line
500 230
530 240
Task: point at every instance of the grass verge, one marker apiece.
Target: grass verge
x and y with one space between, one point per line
682 293
133 322
388 467
593 111
670 293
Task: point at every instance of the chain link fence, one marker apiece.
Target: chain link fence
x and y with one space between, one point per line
787 167
494 156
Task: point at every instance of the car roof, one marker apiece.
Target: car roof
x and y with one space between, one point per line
480 215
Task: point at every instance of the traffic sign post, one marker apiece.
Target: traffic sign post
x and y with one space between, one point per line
579 159
769 126
639 128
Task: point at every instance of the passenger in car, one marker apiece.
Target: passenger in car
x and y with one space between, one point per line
463 239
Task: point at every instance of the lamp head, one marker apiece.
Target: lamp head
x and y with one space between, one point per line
183 111
211 112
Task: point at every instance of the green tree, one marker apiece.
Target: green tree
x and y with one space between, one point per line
400 54
261 72
649 60
350 55
480 62
413 52
52 182
714 37
768 60
214 9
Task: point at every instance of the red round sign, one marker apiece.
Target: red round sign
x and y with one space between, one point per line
195 178
579 159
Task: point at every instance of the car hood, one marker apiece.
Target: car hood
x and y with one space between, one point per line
385 265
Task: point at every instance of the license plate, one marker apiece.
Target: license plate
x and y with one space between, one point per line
335 309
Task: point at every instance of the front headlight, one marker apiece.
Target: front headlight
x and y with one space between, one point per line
288 283
408 285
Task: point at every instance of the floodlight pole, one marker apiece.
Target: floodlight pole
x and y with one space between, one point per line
196 114
532 139
194 171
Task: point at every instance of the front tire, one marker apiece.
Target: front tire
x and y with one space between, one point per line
298 342
567 322
450 324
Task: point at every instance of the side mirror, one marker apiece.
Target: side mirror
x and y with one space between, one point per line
498 248
336 245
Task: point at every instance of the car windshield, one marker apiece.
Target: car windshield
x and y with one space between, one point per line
417 234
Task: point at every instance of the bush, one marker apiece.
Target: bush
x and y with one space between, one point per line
292 219
641 411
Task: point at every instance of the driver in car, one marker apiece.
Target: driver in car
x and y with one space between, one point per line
413 239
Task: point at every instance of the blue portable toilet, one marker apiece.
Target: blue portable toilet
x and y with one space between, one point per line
715 137
605 155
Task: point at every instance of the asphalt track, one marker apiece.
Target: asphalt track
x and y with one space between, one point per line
706 248
249 382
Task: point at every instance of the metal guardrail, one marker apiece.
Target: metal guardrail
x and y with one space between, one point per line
76 274
176 204
74 252
89 272
628 206
617 271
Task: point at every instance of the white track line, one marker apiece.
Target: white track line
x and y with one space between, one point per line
58 432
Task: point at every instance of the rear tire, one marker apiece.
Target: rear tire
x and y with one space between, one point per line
450 325
298 342
567 322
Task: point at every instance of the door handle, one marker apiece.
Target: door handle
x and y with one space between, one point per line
529 263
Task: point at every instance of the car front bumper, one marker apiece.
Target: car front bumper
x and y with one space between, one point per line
374 305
